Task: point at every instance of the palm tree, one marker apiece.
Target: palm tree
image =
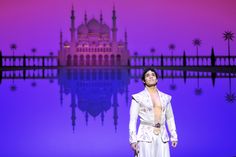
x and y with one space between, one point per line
172 85
230 96
229 36
172 48
198 90
197 42
135 54
152 50
51 55
135 62
33 50
13 48
33 84
13 86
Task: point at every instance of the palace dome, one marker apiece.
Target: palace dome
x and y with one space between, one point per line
83 29
94 26
105 29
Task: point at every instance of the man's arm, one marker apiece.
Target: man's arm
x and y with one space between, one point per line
134 110
171 122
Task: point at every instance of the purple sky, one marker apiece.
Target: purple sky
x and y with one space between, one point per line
150 23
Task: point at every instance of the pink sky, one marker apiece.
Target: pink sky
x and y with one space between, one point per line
150 23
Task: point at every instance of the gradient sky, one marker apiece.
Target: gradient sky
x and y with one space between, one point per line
35 124
150 23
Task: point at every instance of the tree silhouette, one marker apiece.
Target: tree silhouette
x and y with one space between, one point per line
197 43
135 71
172 48
51 55
152 50
135 54
13 48
198 90
229 36
230 96
33 50
172 85
13 86
33 84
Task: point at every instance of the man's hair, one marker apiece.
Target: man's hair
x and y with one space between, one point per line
146 70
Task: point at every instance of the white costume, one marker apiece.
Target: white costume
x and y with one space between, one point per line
150 144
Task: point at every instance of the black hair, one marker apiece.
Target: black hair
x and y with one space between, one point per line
149 69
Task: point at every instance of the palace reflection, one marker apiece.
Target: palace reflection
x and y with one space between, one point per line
93 91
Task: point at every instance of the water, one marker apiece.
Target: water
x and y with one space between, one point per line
85 112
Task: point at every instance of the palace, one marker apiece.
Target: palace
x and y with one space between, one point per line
93 43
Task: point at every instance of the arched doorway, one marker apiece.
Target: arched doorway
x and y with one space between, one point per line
106 60
81 60
118 60
100 60
69 60
112 60
75 61
94 61
87 60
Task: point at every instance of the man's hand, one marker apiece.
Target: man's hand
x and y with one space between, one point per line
174 143
134 146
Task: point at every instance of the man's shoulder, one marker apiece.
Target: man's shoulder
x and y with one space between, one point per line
165 95
139 95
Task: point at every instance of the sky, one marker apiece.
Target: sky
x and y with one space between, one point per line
149 23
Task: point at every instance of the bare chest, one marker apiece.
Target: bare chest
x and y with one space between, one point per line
155 100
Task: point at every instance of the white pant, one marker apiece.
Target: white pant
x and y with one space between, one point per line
156 148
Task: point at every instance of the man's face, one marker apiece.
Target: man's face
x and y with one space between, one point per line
150 78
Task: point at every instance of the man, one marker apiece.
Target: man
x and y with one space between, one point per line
154 110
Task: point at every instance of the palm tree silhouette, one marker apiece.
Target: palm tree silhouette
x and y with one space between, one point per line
135 70
13 86
230 97
172 48
229 36
33 50
152 50
51 55
197 43
33 84
13 48
172 85
198 90
135 54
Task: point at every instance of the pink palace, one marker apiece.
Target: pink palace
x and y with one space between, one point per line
94 43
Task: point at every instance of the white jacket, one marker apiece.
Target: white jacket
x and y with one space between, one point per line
142 106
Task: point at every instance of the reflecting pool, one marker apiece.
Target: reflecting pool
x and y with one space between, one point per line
85 112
